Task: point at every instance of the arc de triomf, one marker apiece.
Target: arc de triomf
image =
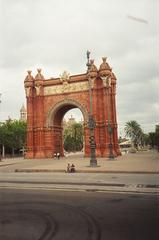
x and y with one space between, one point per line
49 99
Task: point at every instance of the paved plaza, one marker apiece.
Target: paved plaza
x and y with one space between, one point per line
140 162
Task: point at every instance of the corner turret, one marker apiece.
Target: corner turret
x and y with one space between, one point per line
38 83
93 69
104 69
28 83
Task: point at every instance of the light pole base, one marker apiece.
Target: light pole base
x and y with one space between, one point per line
111 157
93 163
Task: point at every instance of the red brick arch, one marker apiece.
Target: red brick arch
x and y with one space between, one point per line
49 99
62 107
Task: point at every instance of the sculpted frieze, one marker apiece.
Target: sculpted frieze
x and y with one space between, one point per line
66 88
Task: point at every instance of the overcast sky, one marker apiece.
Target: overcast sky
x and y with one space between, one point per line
55 35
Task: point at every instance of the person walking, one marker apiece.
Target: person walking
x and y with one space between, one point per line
58 155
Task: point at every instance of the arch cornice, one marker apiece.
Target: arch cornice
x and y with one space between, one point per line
53 110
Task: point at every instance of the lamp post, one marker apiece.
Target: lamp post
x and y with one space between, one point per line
93 160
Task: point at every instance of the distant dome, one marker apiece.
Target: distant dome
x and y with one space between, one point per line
23 109
23 113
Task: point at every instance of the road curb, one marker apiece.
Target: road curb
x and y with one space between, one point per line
85 184
7 164
84 171
78 187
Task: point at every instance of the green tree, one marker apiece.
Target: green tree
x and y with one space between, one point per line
157 136
154 138
69 143
12 134
145 139
18 134
73 137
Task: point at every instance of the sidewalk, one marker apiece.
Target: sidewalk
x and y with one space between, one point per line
141 162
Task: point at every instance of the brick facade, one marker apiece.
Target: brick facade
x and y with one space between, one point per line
49 99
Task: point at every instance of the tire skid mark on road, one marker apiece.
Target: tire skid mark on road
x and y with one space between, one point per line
52 228
51 225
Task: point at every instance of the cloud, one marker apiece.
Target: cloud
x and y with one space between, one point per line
55 35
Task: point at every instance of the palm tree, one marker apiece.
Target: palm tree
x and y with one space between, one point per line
134 132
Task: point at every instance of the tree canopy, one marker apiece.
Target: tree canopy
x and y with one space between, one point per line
154 138
13 134
134 131
73 137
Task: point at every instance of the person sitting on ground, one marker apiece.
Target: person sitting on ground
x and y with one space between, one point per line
73 168
68 168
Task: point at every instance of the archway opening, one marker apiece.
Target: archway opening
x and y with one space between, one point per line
67 120
73 133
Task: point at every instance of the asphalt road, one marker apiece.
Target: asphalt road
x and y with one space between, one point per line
145 183
66 215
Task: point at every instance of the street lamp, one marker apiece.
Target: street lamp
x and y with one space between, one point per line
91 123
107 83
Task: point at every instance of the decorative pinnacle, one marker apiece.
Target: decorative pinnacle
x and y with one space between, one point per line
104 59
29 72
39 70
29 76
